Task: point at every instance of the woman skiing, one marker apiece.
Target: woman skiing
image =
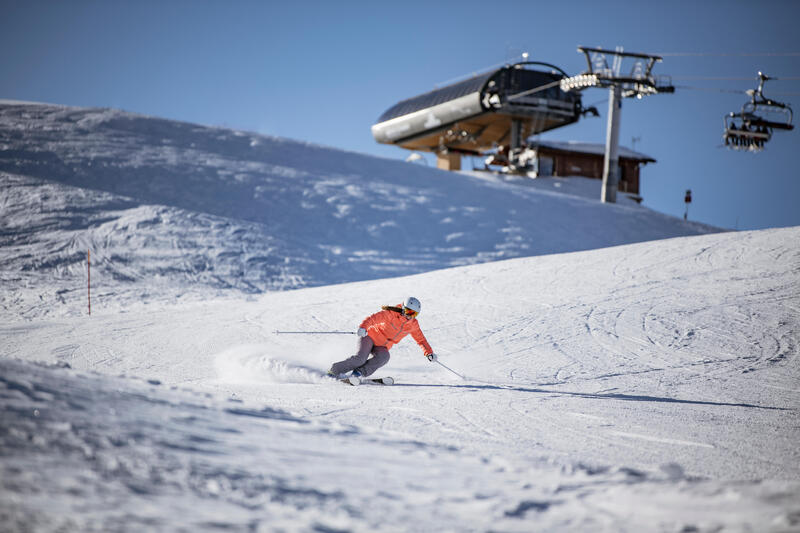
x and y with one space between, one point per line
378 333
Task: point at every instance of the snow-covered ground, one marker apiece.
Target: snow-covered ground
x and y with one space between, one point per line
652 386
175 210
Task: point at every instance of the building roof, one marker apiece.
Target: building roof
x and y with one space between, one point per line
437 96
474 115
592 148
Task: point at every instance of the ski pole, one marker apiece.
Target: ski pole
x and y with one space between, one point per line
451 370
315 332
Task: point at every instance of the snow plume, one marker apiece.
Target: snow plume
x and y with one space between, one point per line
250 365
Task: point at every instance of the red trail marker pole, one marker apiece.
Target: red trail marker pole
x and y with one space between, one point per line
687 200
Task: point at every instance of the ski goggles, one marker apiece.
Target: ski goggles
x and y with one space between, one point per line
409 312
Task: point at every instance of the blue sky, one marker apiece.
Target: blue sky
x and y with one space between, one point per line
324 71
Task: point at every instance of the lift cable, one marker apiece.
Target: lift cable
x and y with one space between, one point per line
535 90
710 89
734 54
732 91
734 78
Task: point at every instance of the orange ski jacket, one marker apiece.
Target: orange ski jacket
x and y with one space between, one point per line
388 327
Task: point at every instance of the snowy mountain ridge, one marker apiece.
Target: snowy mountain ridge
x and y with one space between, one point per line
175 210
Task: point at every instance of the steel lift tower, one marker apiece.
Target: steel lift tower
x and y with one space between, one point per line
637 82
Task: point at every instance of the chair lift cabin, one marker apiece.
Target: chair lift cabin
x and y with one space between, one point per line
751 129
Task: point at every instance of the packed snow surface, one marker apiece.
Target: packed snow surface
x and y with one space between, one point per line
649 385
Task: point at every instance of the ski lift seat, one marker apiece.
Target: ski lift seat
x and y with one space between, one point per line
759 122
748 133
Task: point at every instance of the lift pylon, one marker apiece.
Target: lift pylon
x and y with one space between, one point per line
636 82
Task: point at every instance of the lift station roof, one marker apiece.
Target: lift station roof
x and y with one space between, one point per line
475 115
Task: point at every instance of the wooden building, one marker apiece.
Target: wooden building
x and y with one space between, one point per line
570 158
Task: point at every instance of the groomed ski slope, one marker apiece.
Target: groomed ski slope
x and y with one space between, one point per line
646 387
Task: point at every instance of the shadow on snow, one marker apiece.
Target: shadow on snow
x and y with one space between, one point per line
593 396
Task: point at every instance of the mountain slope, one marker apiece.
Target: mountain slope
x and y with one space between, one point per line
642 386
201 209
646 387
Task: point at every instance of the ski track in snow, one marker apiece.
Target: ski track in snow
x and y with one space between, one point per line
655 411
637 387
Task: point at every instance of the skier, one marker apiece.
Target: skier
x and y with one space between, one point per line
378 333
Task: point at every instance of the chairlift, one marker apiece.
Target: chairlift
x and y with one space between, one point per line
752 127
741 133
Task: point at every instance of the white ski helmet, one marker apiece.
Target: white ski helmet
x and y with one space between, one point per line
412 304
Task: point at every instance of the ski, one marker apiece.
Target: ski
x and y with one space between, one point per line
367 381
379 381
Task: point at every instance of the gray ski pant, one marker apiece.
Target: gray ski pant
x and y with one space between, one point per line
361 360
